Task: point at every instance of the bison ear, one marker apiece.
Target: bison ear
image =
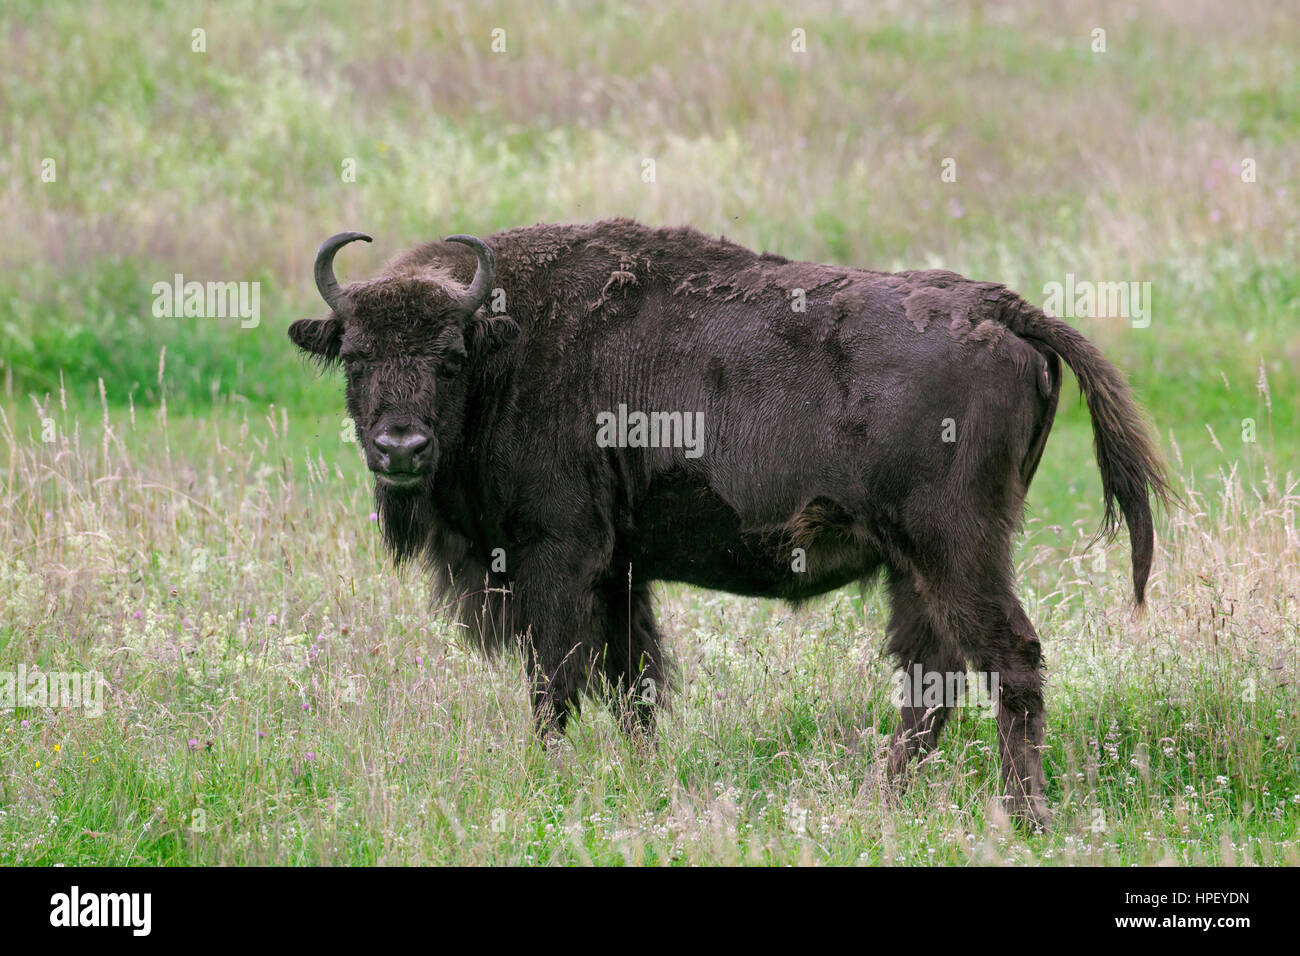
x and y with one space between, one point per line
318 337
485 336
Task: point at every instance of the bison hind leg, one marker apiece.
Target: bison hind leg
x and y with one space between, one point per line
930 664
970 599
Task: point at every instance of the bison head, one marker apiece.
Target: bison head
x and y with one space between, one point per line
404 340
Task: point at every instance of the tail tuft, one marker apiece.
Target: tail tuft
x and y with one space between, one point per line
1131 468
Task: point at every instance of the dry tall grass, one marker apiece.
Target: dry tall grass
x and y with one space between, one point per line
267 669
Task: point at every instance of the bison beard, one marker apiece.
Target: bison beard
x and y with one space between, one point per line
855 423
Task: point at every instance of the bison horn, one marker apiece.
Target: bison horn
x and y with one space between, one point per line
325 281
478 289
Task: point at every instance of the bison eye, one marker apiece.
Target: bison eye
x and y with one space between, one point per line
452 363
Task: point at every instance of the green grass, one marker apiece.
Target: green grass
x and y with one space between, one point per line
267 668
197 529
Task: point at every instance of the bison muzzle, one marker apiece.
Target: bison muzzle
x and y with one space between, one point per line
846 423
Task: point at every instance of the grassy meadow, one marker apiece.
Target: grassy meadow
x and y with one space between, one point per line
180 509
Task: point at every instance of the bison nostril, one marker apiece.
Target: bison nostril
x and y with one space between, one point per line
416 443
402 450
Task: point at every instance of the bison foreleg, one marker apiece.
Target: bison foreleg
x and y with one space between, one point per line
560 613
634 665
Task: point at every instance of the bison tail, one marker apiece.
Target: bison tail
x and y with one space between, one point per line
1131 467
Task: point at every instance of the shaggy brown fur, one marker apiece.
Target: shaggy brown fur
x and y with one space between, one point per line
824 431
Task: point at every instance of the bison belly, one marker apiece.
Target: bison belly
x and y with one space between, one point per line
685 532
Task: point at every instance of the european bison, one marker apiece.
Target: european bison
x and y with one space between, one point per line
542 464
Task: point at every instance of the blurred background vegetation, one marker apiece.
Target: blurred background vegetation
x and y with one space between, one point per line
226 164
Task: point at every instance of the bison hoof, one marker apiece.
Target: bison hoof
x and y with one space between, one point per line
898 758
1031 813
